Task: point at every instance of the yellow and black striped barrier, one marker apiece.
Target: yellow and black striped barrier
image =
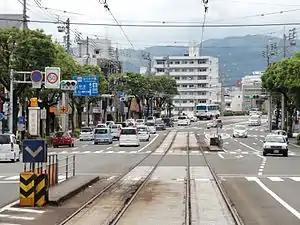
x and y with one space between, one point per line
27 189
41 189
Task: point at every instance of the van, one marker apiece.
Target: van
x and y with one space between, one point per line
9 148
102 135
129 137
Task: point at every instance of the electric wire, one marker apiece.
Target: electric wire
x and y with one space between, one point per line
205 2
161 25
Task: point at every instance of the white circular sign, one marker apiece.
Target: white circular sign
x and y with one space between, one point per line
52 78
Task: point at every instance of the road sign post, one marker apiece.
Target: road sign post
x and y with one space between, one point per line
36 78
52 77
35 151
86 85
34 121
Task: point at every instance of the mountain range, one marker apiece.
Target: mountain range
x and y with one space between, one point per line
238 56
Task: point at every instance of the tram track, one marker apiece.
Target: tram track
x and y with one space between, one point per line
230 206
132 189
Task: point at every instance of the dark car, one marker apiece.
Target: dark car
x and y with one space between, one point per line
160 125
168 122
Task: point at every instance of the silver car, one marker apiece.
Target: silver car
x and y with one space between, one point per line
144 133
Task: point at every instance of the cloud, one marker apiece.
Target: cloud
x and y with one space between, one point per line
220 11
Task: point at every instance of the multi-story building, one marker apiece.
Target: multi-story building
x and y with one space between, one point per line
252 86
197 78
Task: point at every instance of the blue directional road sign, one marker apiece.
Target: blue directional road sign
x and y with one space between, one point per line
122 94
21 120
34 151
1 116
86 85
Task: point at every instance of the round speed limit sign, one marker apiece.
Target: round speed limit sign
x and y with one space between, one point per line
52 78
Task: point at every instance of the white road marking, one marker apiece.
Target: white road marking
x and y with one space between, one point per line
9 182
16 217
244 152
12 178
1 177
74 148
220 155
262 166
133 152
9 224
25 210
121 151
86 152
295 178
202 179
275 179
75 152
110 152
233 152
254 143
225 150
108 148
100 151
277 198
83 146
146 146
63 152
247 146
116 145
297 146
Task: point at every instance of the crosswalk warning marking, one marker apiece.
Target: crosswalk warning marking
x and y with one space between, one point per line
41 190
27 189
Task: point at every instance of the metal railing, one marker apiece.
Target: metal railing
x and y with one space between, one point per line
58 169
66 167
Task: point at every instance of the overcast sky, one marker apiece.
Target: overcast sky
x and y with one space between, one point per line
170 11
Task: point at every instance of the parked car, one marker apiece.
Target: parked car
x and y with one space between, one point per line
86 133
183 121
116 130
143 133
103 135
152 127
275 144
129 137
215 124
9 148
62 138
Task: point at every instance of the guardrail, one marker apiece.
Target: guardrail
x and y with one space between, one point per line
57 169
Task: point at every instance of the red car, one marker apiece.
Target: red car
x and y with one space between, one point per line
62 138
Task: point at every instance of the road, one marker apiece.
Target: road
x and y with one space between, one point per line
264 190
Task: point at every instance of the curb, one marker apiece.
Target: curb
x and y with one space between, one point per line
73 192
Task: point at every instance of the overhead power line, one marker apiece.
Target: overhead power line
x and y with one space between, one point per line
162 25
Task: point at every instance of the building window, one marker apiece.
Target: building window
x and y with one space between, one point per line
171 62
160 62
176 101
184 85
184 101
183 70
160 70
191 70
190 78
201 77
177 62
183 78
191 85
202 61
176 70
177 78
191 62
204 69
97 51
191 101
185 62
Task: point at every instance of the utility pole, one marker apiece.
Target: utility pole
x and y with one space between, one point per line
25 25
68 44
271 50
223 76
86 98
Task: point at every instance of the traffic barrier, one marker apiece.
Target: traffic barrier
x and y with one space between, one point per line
41 192
27 189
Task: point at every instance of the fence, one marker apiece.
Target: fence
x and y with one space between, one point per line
57 169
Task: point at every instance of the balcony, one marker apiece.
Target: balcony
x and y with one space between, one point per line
184 89
192 81
187 73
195 65
193 97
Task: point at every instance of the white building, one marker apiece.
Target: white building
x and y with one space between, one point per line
93 50
234 100
251 86
197 78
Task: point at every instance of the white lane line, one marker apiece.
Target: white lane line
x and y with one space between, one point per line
133 152
86 152
220 155
75 152
225 150
297 146
109 152
275 179
295 178
2 176
25 210
262 166
12 178
254 143
116 145
74 148
247 146
16 217
245 153
83 146
100 151
9 182
277 198
63 152
108 148
233 152
121 151
146 146
9 224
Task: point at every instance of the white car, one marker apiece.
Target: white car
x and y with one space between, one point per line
101 125
151 127
129 137
240 131
283 133
140 122
275 144
9 148
143 132
151 119
130 123
86 134
116 130
254 120
183 121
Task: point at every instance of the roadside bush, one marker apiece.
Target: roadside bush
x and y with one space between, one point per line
298 139
76 132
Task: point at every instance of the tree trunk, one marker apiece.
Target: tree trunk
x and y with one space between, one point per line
47 120
148 106
79 120
139 101
277 111
72 114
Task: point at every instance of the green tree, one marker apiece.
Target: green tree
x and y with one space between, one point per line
23 50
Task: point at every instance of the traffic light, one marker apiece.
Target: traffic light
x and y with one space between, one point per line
251 96
68 85
256 96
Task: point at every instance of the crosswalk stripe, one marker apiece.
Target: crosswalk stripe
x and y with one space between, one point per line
275 179
295 178
86 152
16 217
100 151
12 178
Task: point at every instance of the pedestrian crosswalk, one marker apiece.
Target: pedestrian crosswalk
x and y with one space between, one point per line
15 179
275 179
106 151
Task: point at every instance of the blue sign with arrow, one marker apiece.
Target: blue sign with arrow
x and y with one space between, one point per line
34 151
86 85
1 116
122 94
21 120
